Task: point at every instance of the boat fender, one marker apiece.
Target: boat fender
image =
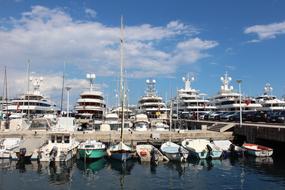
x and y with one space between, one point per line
143 153
209 148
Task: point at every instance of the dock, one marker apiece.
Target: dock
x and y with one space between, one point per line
129 136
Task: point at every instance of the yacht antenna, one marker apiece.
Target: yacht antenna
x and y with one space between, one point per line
62 87
122 89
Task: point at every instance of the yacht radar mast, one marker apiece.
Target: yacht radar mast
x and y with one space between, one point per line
150 91
226 79
268 89
36 81
187 81
91 77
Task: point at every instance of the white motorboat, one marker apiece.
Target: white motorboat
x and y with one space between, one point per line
7 146
60 147
227 147
174 152
202 148
196 147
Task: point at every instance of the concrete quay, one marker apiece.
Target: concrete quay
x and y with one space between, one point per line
129 136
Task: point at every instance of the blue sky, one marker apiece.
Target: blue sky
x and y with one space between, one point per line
165 40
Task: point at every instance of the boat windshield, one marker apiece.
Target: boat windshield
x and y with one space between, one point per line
59 139
89 146
66 139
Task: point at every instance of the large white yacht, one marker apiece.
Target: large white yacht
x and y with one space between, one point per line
152 104
33 102
268 101
91 104
191 100
228 100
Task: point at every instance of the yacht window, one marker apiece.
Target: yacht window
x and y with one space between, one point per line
59 139
52 139
66 139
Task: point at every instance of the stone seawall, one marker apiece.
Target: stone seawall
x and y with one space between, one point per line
129 136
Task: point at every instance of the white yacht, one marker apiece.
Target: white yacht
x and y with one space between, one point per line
189 100
268 101
33 103
91 104
152 104
228 100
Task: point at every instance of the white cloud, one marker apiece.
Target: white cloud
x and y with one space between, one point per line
90 12
268 31
51 36
192 50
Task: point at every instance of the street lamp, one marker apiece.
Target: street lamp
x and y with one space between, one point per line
67 104
240 110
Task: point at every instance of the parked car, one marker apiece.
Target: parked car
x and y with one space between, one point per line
215 115
248 115
260 116
228 116
272 117
281 117
202 115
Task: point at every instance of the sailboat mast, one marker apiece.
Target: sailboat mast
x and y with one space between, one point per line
6 94
28 78
122 89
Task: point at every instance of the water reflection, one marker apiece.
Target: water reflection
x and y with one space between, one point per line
124 168
234 173
58 172
180 167
207 164
91 166
5 164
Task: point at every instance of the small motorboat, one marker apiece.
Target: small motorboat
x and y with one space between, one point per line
149 153
202 148
174 152
228 147
257 150
196 147
91 149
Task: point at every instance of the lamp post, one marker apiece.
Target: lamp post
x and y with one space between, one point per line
67 104
240 110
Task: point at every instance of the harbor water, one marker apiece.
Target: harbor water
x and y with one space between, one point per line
230 173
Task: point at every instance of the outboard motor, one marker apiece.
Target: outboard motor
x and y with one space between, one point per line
232 148
22 154
154 157
209 148
53 153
